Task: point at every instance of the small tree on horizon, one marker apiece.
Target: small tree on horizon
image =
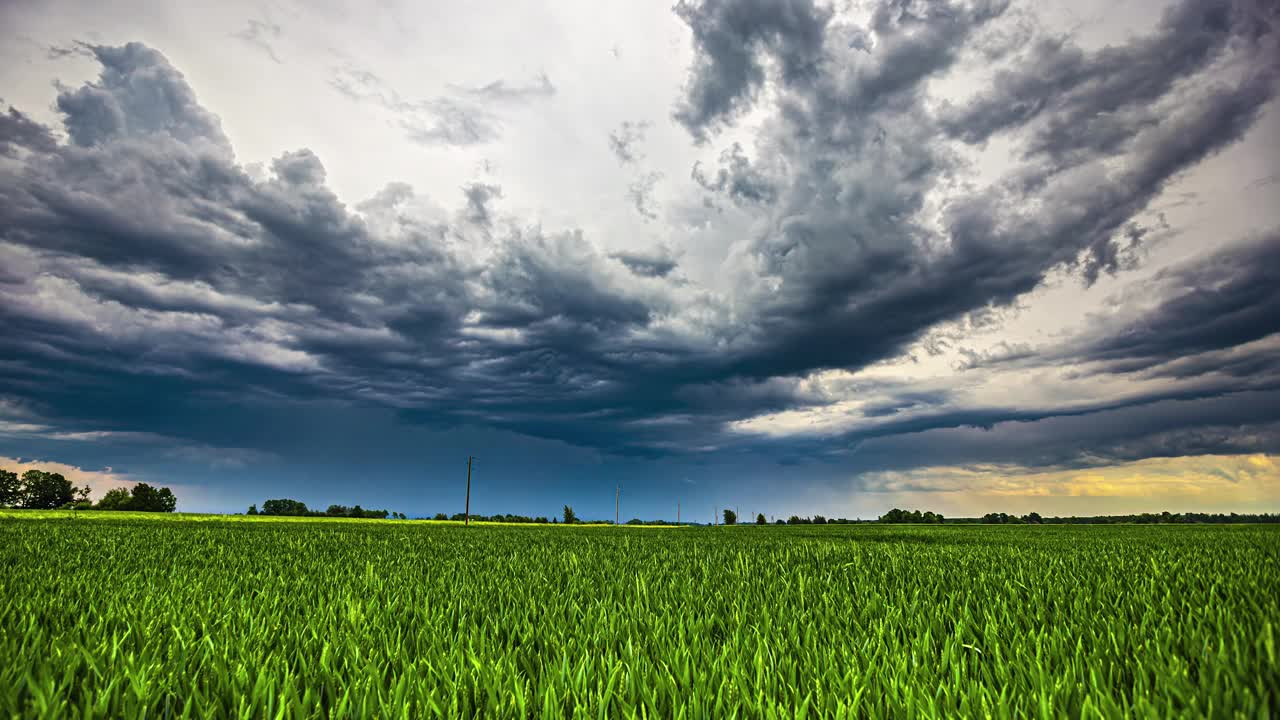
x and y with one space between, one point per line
730 517
760 519
569 516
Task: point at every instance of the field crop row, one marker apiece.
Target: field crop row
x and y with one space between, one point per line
126 617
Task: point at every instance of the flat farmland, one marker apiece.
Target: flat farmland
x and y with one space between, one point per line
130 616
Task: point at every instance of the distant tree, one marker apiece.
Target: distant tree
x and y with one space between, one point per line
1035 519
440 516
10 488
780 521
914 516
115 499
635 521
284 506
730 517
760 519
42 490
253 509
819 520
569 516
148 499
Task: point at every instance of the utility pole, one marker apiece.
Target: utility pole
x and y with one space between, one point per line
617 492
467 519
677 512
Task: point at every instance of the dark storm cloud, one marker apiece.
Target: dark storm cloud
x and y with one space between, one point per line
1208 307
1228 424
1094 102
138 92
1206 315
860 274
145 272
647 264
737 178
149 279
19 131
731 39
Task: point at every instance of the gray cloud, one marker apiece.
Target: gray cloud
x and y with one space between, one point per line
657 264
260 34
19 131
1218 302
737 178
117 105
148 278
1089 103
500 91
624 140
467 116
731 39
479 195
640 193
1003 352
857 150
1228 424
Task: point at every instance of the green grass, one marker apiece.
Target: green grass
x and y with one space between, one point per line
125 616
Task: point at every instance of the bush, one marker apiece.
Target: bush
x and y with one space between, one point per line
284 506
114 499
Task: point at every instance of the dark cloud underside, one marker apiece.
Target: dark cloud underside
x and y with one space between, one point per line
148 277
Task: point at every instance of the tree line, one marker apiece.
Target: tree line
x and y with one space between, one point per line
1139 518
42 490
1034 518
296 508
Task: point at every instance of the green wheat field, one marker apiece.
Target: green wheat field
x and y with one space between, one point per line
187 616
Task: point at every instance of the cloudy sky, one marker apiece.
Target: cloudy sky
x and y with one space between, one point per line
783 255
